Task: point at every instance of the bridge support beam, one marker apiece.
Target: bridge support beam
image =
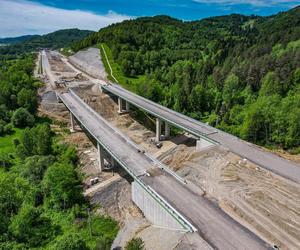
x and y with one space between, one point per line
100 156
158 129
72 122
202 144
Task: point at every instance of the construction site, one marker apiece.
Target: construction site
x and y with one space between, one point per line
265 203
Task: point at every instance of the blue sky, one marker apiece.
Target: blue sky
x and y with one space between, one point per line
183 9
19 17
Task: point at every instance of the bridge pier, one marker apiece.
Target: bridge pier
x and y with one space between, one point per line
158 136
120 103
158 129
127 106
100 156
167 130
72 122
112 162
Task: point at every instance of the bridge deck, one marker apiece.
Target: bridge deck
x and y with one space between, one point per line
247 150
213 224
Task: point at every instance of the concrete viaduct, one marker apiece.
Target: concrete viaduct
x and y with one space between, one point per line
207 135
164 198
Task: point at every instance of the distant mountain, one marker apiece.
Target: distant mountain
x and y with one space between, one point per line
59 39
13 40
55 40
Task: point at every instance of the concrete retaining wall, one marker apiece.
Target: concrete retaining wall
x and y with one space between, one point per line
152 210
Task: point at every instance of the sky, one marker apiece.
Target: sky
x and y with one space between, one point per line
23 17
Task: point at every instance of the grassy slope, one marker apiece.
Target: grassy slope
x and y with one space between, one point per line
6 142
127 82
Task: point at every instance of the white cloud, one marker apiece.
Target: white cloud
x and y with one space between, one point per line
21 17
257 3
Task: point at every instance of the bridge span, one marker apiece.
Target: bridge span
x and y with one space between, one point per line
207 135
156 190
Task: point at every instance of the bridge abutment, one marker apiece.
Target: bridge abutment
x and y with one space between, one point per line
153 210
202 144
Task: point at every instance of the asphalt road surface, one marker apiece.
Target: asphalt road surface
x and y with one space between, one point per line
251 152
213 224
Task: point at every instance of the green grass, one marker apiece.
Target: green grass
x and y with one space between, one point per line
6 142
127 82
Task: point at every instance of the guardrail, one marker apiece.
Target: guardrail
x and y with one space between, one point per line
171 210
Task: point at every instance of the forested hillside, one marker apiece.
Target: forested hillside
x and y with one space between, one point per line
239 73
13 40
55 40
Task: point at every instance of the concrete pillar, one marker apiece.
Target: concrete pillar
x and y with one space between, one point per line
127 106
57 97
112 162
72 129
158 129
120 102
167 130
100 156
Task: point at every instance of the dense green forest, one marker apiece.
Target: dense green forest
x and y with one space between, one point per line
41 200
238 73
54 40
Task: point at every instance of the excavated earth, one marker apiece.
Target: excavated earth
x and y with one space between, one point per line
262 201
